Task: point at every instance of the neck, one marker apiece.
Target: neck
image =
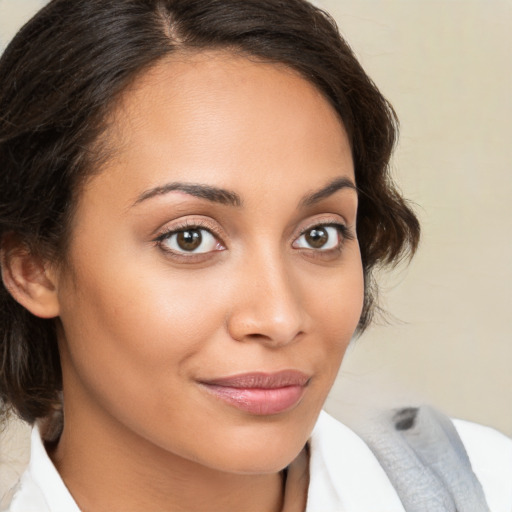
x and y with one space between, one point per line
109 468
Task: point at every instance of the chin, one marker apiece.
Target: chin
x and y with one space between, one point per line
265 460
268 446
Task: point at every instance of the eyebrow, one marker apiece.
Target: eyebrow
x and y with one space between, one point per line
208 192
230 198
327 191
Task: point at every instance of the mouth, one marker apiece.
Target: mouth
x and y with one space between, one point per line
260 393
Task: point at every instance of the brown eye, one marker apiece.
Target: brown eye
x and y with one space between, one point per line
321 238
316 237
189 240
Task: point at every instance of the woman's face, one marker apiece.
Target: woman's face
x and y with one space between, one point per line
215 251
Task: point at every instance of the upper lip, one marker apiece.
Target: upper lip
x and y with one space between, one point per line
261 380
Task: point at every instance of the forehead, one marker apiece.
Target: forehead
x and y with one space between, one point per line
222 117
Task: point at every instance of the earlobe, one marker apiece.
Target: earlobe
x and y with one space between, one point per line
27 279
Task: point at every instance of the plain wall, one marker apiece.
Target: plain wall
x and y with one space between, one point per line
446 67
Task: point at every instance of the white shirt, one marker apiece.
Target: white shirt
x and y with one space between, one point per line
345 476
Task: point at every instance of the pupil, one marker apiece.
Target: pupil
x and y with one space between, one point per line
317 237
189 240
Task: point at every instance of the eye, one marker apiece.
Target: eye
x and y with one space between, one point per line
320 238
193 240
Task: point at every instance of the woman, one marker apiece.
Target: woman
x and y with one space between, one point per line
194 195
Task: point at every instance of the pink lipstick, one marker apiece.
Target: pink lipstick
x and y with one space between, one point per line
260 393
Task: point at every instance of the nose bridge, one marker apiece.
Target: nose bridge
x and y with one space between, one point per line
268 306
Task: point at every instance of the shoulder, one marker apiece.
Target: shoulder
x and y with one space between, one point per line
26 496
40 488
342 469
412 457
490 454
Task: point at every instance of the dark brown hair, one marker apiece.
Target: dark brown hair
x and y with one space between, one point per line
62 74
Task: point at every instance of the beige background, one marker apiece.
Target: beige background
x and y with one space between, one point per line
446 67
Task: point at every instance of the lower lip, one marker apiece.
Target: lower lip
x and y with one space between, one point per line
259 401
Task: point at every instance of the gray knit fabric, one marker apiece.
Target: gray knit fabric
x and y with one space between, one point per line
425 461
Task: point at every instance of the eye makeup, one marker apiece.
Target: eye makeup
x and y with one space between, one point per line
196 240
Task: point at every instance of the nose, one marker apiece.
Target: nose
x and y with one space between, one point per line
267 305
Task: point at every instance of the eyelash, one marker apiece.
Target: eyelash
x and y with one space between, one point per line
194 225
344 231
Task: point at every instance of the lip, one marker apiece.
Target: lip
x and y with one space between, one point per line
260 393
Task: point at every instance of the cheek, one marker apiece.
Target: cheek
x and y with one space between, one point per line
338 300
335 304
342 307
128 331
133 315
132 341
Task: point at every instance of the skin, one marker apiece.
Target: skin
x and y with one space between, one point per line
141 325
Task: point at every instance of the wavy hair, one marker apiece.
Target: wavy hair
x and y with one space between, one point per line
60 78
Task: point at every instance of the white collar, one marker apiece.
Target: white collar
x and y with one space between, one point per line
344 473
344 476
41 489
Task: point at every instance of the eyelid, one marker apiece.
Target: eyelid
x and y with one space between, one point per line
329 221
211 226
189 223
346 231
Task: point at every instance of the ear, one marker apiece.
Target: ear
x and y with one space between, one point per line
28 279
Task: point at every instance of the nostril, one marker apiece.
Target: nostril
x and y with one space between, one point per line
276 338
258 337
